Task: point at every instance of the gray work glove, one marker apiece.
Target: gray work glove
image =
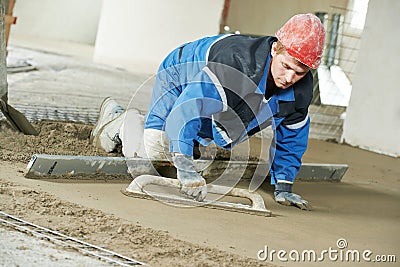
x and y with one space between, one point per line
192 184
283 195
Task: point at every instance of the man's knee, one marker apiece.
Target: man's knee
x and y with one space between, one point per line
156 144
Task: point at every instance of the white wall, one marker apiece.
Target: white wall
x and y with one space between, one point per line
265 17
137 35
72 20
373 115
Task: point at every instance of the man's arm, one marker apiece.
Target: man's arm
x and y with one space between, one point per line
290 144
199 99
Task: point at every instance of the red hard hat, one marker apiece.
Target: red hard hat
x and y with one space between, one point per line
303 36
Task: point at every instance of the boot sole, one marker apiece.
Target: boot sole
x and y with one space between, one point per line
96 128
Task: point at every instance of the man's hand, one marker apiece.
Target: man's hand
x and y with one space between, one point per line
192 183
283 195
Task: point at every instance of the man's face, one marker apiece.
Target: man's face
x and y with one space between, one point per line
285 70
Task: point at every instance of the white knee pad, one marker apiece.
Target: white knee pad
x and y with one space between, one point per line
156 144
147 143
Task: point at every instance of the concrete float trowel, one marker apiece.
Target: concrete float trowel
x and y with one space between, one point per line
150 180
255 206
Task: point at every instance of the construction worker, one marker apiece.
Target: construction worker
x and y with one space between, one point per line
223 89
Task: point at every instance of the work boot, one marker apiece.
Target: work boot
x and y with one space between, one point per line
105 134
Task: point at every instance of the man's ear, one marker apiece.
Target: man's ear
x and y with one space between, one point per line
273 49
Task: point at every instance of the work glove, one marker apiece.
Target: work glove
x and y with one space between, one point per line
192 184
283 195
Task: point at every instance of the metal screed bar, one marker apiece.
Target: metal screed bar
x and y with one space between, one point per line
67 241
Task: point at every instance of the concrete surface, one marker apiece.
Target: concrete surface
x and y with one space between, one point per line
20 249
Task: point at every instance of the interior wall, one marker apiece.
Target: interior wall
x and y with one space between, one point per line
373 115
137 35
265 17
72 20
